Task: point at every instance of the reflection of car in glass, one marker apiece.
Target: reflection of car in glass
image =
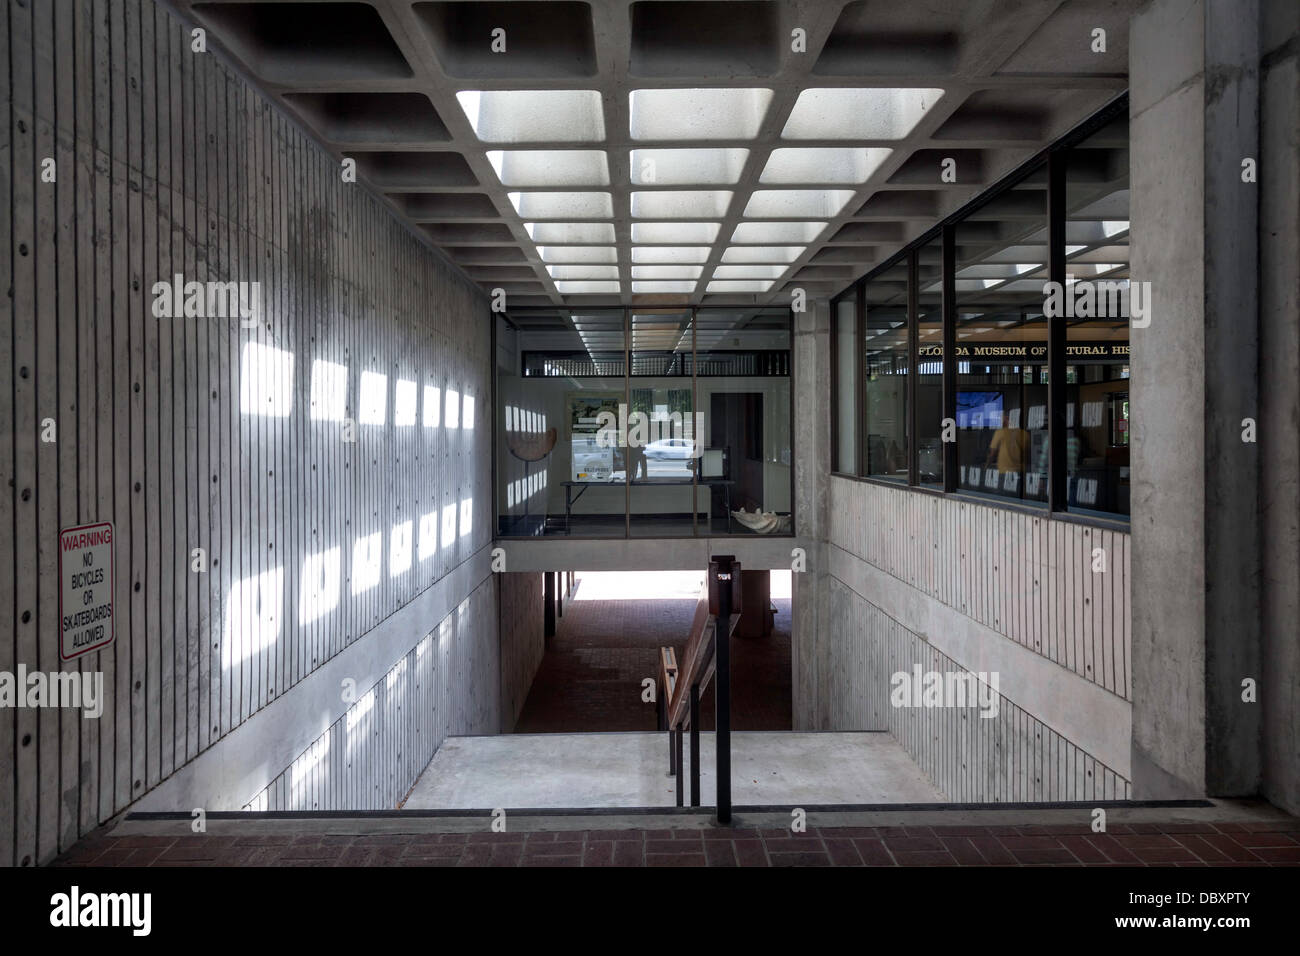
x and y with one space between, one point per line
675 448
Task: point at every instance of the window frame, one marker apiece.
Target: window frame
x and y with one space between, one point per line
1053 159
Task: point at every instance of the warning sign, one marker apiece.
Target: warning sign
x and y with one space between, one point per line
85 589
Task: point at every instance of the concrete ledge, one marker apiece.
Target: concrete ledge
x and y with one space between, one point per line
755 553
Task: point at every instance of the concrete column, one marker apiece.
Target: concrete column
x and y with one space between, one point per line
1279 409
812 465
1196 530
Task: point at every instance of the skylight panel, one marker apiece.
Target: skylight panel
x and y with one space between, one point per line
550 167
878 113
579 254
563 205
580 287
749 272
823 164
676 204
523 116
583 272
774 233
762 254
744 285
670 253
675 232
699 114
561 232
790 203
687 167
686 286
667 272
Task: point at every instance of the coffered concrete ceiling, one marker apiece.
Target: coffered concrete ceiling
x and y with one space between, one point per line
674 152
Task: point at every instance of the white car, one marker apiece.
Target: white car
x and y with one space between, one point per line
673 448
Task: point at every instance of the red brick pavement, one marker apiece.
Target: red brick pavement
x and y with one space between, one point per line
590 678
1274 843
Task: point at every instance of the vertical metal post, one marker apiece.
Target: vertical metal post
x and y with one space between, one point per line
695 745
1057 330
859 379
548 605
913 347
949 285
722 686
677 747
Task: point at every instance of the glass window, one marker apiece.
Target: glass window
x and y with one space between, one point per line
1001 257
638 423
845 350
1099 301
743 390
661 446
884 373
930 359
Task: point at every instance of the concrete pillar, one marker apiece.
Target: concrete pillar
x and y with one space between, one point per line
1279 410
1196 531
812 465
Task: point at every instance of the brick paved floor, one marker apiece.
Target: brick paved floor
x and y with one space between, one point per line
590 678
1272 843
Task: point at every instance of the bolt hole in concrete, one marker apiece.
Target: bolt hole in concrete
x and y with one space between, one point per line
586 738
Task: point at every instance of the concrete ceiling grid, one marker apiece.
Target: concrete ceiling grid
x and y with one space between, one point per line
379 81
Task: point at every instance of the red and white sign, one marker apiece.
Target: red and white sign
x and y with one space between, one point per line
85 589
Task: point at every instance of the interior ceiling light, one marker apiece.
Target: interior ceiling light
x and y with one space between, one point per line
583 272
797 203
533 116
747 285
823 164
661 286
550 167
669 254
877 113
563 205
785 254
585 287
749 272
680 203
581 232
578 254
774 233
667 272
697 114
687 167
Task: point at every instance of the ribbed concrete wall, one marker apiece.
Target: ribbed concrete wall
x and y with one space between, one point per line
913 580
169 164
1009 755
370 756
523 639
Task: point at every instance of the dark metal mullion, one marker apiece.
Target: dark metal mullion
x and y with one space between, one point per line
834 352
949 284
913 350
1057 334
627 404
695 420
859 377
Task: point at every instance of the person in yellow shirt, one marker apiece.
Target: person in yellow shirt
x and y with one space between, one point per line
1008 447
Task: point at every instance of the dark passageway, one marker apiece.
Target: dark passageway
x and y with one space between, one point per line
590 678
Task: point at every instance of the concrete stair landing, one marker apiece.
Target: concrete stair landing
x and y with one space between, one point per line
611 770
